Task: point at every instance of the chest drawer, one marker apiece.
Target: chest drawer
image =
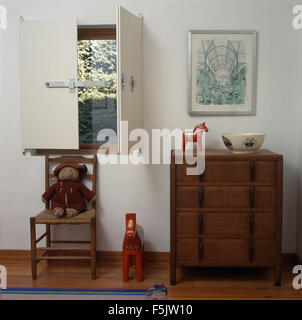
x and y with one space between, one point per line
226 197
223 225
264 250
213 251
188 251
263 197
230 171
237 251
189 224
212 224
225 250
263 224
227 171
265 171
183 178
188 197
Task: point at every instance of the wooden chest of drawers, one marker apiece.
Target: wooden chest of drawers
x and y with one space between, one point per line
231 215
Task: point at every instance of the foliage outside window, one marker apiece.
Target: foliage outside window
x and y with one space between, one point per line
97 105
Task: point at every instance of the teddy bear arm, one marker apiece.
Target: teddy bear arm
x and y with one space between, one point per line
88 194
47 195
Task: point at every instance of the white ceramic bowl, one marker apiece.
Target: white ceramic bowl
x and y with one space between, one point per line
243 142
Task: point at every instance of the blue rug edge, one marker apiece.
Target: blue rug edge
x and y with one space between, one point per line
112 291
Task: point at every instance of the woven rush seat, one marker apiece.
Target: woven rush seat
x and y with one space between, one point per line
46 216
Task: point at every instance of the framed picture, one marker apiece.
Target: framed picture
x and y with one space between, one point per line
222 72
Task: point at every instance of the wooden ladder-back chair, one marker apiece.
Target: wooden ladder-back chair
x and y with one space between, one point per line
46 217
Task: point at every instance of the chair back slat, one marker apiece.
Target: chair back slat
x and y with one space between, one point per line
87 176
78 159
71 159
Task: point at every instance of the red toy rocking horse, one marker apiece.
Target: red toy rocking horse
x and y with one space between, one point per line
133 246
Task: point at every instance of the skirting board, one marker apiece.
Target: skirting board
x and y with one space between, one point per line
162 258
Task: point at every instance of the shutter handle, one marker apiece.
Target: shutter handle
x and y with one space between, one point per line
123 81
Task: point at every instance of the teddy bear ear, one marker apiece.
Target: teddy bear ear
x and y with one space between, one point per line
83 170
57 169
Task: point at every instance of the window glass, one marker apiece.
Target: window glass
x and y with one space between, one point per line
97 105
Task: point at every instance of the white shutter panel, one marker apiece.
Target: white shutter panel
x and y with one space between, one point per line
130 108
48 52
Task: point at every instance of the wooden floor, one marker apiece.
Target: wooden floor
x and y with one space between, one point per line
197 283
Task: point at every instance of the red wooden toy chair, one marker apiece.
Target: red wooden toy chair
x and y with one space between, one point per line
133 246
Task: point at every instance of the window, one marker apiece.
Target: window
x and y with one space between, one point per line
97 105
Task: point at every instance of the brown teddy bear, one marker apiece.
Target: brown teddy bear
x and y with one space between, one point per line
68 194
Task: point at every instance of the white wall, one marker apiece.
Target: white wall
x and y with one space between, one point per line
145 189
299 199
299 165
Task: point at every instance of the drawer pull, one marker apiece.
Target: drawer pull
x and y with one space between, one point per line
201 177
200 222
200 196
200 249
251 196
251 250
252 170
251 222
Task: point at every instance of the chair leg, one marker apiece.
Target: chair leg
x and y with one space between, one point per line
93 247
278 273
139 265
33 248
126 260
48 240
